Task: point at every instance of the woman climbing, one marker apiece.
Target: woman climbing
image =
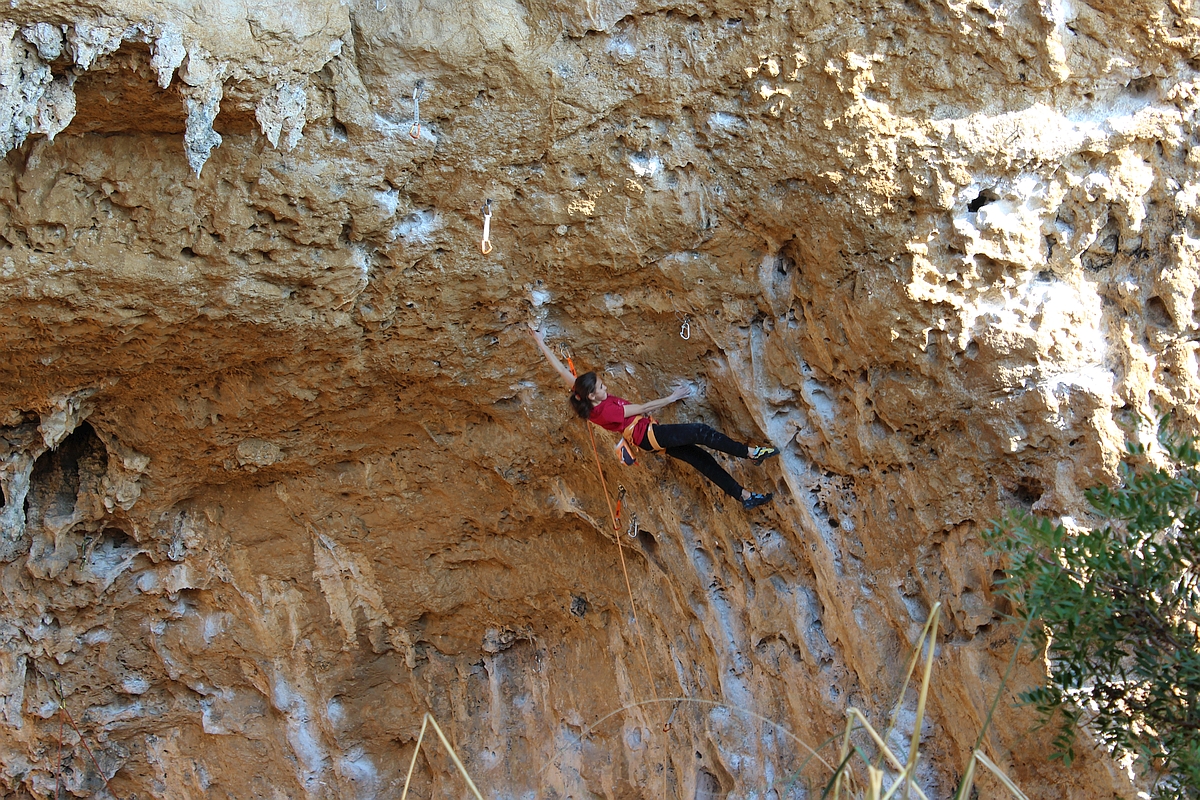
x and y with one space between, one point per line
591 401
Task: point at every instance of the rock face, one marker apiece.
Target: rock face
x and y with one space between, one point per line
282 469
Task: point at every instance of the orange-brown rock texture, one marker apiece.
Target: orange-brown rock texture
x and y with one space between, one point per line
283 470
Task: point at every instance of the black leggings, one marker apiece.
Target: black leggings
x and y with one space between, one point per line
680 441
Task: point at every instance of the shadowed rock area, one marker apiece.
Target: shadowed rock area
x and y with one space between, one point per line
283 469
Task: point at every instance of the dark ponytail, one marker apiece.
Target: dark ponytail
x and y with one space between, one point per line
585 384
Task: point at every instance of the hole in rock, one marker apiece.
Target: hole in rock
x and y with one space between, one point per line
579 606
981 200
116 539
1028 490
1157 313
707 785
1100 254
990 270
58 474
648 543
120 94
1142 86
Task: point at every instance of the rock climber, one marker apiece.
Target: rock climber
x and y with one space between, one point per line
591 401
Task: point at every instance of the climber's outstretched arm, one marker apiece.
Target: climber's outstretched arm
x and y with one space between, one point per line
681 391
563 372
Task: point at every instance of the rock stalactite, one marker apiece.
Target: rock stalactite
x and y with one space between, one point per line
282 470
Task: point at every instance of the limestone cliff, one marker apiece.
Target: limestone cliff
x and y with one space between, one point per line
282 469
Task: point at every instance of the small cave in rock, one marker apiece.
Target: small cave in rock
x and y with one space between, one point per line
707 785
1028 490
58 475
121 95
1158 315
982 199
648 543
1143 86
990 270
116 539
1101 254
111 551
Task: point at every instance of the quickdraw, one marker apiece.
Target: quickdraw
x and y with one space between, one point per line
415 130
620 500
564 353
633 530
486 244
685 330
671 719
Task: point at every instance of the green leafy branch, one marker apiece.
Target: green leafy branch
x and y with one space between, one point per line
1117 609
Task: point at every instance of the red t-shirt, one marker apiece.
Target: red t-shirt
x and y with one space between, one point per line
610 415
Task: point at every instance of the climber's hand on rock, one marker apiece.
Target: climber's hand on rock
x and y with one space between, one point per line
681 391
535 333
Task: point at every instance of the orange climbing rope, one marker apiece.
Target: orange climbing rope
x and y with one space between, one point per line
615 518
621 549
616 529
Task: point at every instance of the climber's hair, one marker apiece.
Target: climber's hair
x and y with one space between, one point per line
585 384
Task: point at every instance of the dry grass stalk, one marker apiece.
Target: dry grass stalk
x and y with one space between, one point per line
425 722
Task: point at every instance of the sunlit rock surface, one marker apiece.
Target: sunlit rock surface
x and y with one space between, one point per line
282 469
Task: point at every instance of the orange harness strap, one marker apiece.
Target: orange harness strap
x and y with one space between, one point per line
627 434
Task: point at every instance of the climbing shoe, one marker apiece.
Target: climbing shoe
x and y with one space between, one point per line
760 454
756 500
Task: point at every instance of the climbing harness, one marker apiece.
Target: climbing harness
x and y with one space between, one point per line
634 530
486 244
627 434
685 330
625 449
415 130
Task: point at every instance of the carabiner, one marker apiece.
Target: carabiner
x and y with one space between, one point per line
486 244
415 130
671 719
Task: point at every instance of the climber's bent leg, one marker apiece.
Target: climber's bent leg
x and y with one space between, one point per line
703 462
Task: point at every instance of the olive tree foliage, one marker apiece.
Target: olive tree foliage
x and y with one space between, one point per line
1119 614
